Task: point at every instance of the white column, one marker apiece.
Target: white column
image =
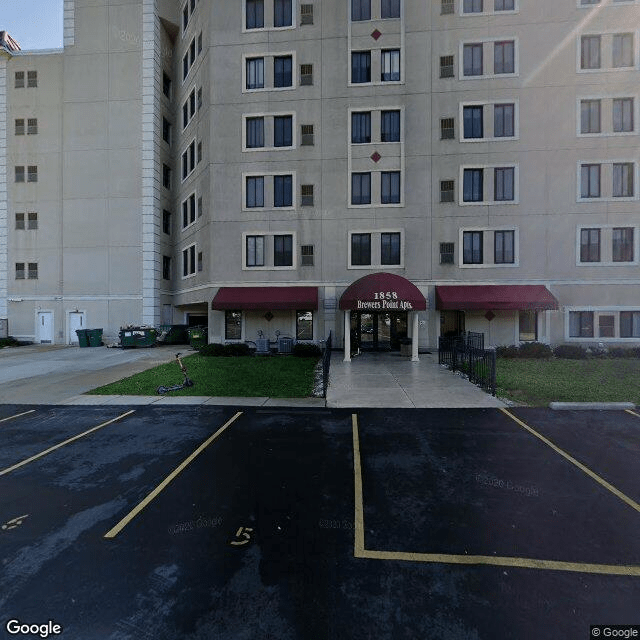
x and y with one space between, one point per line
414 337
347 336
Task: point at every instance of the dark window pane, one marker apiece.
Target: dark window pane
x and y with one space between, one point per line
283 251
472 187
390 187
233 325
390 9
360 249
360 188
473 124
361 127
282 13
360 10
360 66
390 126
282 71
282 133
390 248
472 247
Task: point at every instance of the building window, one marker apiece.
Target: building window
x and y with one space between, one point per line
390 9
189 211
472 247
32 220
503 247
189 109
282 13
166 222
306 135
19 221
590 181
20 274
622 50
32 271
472 6
199 98
185 17
360 67
189 160
166 176
19 80
32 79
390 65
504 182
32 126
473 122
360 127
283 191
200 261
606 326
233 325
306 75
630 324
166 85
590 116
390 126
282 71
306 255
255 73
282 131
19 174
590 52
255 251
255 191
589 245
19 127
283 251
199 151
166 130
446 67
200 209
503 121
390 248
447 191
581 324
254 14
472 59
360 249
504 57
32 173
390 187
504 5
255 133
622 114
304 325
622 238
189 261
360 10
472 187
447 129
361 188
166 268
623 179
306 195
528 326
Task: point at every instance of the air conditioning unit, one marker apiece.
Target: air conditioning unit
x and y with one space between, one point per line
306 14
446 252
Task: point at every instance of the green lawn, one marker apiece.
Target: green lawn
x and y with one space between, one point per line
538 382
276 377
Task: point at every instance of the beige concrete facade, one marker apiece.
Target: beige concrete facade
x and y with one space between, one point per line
548 92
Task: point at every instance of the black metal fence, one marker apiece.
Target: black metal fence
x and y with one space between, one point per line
326 363
466 353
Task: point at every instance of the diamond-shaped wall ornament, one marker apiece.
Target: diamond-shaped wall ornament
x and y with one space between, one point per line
489 315
375 34
268 316
375 156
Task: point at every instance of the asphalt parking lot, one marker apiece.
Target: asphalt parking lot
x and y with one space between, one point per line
210 522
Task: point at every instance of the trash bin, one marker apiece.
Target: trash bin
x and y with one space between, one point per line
405 346
173 334
137 337
83 338
94 336
198 336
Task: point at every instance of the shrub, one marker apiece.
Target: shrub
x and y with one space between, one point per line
8 342
570 351
511 351
535 350
624 352
305 350
211 349
236 349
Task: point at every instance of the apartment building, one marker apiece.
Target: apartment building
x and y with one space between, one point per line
374 168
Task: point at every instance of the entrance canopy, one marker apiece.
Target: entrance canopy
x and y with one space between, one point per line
239 298
516 296
383 292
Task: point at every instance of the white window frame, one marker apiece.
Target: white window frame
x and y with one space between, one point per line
195 261
268 250
608 183
268 57
487 56
193 194
606 51
488 9
190 169
489 103
488 247
269 15
606 245
272 115
376 249
606 115
268 190
187 101
490 167
597 312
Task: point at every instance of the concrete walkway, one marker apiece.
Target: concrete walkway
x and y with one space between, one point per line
393 381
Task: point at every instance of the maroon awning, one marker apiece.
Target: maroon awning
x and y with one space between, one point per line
492 297
383 292
239 298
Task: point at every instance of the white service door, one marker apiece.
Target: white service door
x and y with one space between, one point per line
44 329
76 321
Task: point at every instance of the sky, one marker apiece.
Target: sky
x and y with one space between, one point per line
35 24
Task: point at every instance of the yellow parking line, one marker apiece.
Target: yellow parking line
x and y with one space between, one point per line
112 533
62 444
357 472
633 413
24 413
572 460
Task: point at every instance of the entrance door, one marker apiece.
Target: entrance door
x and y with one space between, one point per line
451 323
378 331
76 321
44 327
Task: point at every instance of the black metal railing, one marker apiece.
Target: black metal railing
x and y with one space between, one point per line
326 364
466 353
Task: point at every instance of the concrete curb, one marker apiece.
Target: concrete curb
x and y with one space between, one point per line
596 406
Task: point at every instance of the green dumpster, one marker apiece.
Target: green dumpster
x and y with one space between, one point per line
83 338
95 337
198 336
137 337
173 334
